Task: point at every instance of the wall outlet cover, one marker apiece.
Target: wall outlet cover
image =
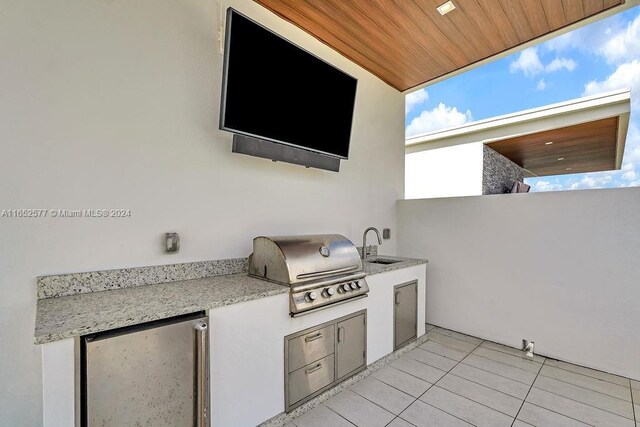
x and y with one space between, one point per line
172 243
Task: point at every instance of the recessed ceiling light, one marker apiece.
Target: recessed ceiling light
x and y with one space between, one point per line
569 169
446 7
560 158
548 143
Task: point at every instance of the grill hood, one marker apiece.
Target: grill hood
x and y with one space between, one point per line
299 259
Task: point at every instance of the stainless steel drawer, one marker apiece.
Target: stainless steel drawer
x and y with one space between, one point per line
310 378
310 347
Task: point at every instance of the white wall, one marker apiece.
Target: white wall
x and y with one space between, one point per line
114 104
444 172
559 268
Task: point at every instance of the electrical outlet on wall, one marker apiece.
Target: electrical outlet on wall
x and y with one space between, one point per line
171 243
386 233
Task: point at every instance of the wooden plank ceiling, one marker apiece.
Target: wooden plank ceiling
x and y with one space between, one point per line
587 147
407 42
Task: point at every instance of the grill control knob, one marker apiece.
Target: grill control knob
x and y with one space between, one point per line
346 287
312 296
354 286
329 292
358 284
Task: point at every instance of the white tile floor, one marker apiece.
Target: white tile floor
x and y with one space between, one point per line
454 379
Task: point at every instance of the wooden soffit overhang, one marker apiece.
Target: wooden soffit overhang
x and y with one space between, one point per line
408 43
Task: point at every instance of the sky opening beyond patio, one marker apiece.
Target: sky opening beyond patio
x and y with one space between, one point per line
597 58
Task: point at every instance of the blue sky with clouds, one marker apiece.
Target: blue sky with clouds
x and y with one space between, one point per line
597 58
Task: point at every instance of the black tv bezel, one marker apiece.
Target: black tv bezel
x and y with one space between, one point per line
223 97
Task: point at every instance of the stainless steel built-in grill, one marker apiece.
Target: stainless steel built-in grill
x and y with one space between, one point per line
321 270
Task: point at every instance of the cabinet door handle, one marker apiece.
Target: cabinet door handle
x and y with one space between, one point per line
313 337
315 368
341 334
397 295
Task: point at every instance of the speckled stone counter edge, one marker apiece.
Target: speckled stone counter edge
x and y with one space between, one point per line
95 281
284 418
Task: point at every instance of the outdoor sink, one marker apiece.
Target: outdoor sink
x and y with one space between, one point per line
384 261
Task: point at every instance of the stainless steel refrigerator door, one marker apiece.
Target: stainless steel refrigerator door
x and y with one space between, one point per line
150 377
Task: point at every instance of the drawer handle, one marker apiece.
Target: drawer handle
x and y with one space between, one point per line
396 297
313 337
315 368
341 334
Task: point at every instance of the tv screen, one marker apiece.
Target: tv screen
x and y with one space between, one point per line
277 91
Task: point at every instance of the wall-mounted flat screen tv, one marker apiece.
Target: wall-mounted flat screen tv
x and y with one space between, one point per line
277 91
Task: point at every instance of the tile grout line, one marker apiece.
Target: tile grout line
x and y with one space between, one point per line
582 403
436 383
338 414
546 376
525 398
559 413
530 385
396 388
557 367
433 384
454 338
502 376
633 403
475 401
366 398
506 364
586 388
585 375
472 381
486 386
506 352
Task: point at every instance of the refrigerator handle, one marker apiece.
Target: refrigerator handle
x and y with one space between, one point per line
202 383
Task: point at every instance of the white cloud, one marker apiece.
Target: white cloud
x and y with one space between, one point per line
625 76
438 118
561 63
597 180
610 38
528 62
547 186
623 45
541 85
414 99
629 175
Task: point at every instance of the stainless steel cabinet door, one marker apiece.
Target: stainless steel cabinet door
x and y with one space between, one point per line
146 377
405 313
352 344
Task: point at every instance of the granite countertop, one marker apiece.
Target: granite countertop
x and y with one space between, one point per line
81 314
84 313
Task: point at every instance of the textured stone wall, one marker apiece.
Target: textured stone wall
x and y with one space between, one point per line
498 172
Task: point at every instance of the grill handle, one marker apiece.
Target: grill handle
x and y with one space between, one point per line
326 272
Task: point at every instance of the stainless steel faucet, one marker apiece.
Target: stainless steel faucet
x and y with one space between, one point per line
364 241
